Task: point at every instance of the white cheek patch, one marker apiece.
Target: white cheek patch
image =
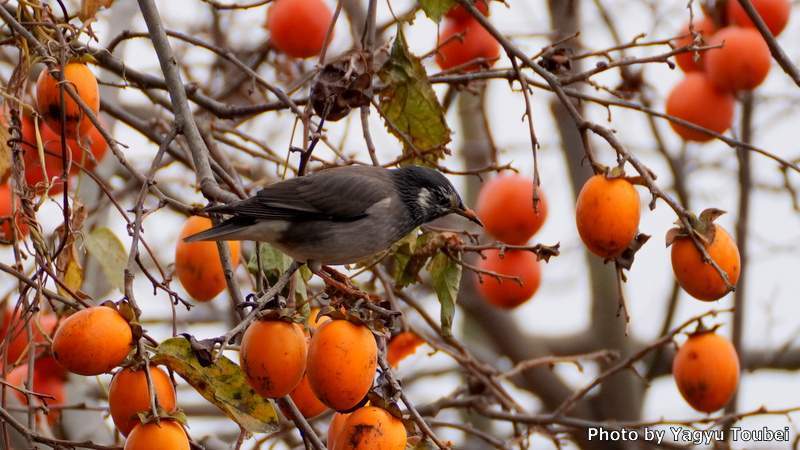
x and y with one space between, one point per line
424 198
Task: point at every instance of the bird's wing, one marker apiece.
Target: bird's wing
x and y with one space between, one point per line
337 194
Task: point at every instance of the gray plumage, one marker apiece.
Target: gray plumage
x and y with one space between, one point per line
341 215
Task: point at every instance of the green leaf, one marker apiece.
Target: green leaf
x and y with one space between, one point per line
435 9
411 258
410 107
274 262
446 277
221 383
108 250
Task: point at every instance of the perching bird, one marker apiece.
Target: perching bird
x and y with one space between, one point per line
341 215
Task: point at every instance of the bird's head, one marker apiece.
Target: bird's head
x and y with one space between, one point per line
429 195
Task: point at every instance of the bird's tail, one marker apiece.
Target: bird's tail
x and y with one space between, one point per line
222 232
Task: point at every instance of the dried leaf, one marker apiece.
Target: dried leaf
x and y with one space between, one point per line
435 9
410 258
108 250
673 234
89 8
710 215
410 106
445 277
5 154
221 383
625 260
71 274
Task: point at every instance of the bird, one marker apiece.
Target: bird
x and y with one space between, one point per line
340 215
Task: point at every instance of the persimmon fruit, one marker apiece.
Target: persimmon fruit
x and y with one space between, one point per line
92 341
197 264
372 428
460 14
607 215
335 428
775 14
507 293
402 346
43 383
696 100
342 360
298 27
77 149
165 434
48 99
273 356
17 333
700 279
743 62
12 217
306 401
706 370
705 28
505 206
128 396
463 42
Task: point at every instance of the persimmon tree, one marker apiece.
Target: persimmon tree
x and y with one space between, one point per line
123 121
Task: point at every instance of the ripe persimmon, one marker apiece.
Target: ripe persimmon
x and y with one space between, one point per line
298 27
700 279
705 28
53 161
273 356
48 99
775 14
460 14
464 42
43 383
742 63
335 428
197 264
505 206
166 434
371 428
507 292
16 329
607 215
92 341
128 396
306 401
402 346
695 99
706 370
10 223
342 359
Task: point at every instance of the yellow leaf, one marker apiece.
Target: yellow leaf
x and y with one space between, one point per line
221 383
5 154
71 274
90 7
108 250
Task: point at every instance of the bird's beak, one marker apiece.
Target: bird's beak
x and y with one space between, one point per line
469 214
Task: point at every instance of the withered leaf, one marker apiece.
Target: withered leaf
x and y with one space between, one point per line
108 250
410 107
5 154
222 383
89 8
625 260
